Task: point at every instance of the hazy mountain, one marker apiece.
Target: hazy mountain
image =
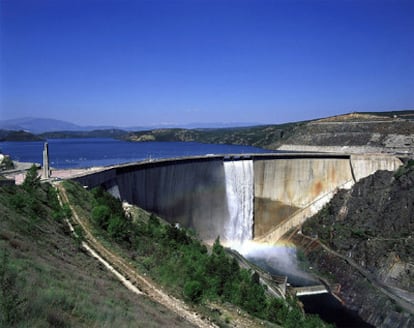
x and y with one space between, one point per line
38 125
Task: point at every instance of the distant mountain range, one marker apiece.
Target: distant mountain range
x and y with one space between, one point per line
42 125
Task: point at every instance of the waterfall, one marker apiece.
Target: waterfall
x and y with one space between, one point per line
239 192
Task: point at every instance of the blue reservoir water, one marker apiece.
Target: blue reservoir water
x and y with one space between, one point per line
80 153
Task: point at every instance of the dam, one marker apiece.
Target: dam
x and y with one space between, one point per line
237 197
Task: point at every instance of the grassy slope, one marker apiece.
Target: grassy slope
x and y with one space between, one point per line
55 283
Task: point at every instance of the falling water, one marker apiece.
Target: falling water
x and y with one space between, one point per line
239 192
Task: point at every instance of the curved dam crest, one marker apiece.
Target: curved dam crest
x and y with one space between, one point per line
238 197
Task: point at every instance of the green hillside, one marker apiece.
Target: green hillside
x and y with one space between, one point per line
46 280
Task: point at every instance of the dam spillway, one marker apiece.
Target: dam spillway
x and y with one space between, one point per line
237 197
240 195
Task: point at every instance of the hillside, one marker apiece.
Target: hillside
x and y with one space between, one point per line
364 240
391 132
46 280
259 136
104 133
7 135
356 133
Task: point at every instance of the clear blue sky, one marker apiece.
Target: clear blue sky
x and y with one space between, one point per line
144 62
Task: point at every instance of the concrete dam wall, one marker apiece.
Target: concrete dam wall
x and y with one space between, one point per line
285 186
192 194
258 196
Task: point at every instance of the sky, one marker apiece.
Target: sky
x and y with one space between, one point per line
132 63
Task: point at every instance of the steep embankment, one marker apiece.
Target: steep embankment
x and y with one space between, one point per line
46 280
368 246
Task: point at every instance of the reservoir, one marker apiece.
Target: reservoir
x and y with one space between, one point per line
88 152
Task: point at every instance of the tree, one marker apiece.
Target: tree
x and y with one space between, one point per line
32 179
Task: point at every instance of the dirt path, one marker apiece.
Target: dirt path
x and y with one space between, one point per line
129 273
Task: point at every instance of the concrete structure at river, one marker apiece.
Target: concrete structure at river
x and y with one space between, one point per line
273 192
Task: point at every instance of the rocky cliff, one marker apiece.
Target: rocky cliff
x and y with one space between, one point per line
364 240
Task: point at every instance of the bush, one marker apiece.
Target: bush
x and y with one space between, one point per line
193 291
32 180
101 215
117 227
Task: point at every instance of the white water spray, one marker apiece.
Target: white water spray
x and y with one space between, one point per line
239 192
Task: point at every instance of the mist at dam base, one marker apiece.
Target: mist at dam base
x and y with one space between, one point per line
281 259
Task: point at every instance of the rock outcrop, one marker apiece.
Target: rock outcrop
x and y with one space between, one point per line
364 240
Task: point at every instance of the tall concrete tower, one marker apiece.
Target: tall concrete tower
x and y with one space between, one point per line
46 170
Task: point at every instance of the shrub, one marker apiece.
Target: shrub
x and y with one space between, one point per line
101 215
32 180
193 291
117 227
